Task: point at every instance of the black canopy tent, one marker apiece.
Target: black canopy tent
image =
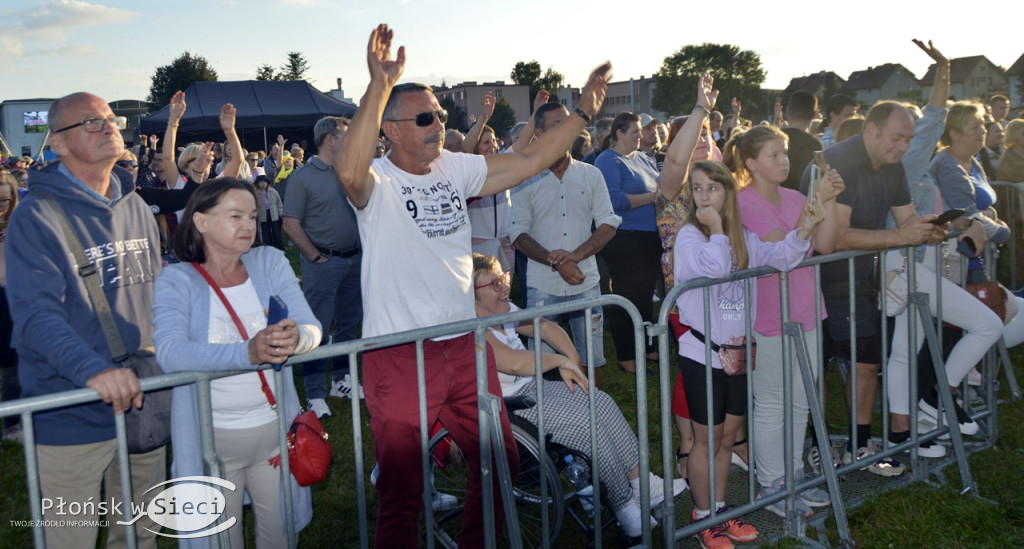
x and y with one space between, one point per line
264 109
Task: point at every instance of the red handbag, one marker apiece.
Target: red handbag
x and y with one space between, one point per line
309 450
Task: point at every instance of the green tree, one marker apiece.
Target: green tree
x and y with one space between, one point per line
266 72
180 74
529 74
295 68
737 74
456 114
503 118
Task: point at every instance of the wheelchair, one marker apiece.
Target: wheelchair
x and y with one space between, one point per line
559 502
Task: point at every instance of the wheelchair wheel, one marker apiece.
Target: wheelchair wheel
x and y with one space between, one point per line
449 476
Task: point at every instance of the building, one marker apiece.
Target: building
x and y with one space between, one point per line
888 81
972 77
823 84
633 95
339 94
469 95
1015 78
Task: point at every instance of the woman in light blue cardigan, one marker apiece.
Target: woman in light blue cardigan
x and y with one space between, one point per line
217 231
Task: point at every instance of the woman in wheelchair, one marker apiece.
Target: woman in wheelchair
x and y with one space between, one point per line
566 410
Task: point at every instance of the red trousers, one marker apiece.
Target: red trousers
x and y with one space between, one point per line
393 402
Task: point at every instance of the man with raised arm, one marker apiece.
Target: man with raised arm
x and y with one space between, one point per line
418 272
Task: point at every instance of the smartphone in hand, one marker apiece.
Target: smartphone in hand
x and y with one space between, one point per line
948 215
817 171
278 311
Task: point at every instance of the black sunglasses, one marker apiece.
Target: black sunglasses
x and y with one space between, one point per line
425 119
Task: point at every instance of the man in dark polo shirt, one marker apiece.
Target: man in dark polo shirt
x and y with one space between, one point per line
875 186
322 225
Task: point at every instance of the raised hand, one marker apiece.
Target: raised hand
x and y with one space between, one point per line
153 139
541 98
227 117
378 57
487 107
932 52
592 96
706 95
177 107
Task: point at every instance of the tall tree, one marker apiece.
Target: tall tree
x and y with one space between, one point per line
180 74
456 114
529 74
295 68
503 118
737 74
266 72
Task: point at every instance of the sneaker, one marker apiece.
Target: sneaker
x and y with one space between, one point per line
319 406
738 529
931 449
630 519
444 502
657 485
814 458
779 507
713 537
813 497
929 405
887 467
738 461
342 388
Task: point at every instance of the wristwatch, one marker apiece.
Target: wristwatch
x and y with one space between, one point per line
317 258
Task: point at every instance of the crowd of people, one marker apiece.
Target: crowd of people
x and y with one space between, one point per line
425 226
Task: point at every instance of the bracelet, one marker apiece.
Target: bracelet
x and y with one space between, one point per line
582 114
317 258
703 108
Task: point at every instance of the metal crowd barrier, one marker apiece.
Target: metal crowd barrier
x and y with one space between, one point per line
795 350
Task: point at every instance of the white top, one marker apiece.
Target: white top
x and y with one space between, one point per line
417 267
510 384
239 401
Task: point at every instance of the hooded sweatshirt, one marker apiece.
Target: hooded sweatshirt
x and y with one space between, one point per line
57 333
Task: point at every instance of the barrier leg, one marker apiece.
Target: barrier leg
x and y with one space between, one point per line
794 331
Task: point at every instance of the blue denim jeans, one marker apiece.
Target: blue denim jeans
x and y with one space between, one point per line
333 293
576 320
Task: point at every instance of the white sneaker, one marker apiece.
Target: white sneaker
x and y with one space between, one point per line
319 406
657 485
343 388
738 461
630 518
444 502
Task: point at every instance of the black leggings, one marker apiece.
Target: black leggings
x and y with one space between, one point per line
634 265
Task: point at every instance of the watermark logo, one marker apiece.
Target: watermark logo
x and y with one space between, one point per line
191 505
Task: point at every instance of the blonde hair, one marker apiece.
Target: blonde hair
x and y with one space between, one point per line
1014 133
731 223
960 114
191 152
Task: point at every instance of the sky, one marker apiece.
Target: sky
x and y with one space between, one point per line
112 48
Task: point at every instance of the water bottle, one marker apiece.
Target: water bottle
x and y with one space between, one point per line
580 480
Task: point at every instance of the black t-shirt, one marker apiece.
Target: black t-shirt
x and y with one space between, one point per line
801 151
870 194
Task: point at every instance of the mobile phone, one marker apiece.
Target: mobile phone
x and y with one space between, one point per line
817 170
278 311
949 215
967 247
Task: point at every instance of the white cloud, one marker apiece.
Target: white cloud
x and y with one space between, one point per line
51 24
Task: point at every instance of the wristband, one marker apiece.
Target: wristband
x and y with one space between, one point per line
701 107
317 258
582 114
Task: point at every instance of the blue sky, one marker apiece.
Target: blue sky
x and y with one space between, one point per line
111 48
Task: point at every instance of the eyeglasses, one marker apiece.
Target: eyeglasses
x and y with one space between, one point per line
93 125
425 119
127 164
503 280
251 159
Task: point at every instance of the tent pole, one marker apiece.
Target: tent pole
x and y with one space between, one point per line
265 140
